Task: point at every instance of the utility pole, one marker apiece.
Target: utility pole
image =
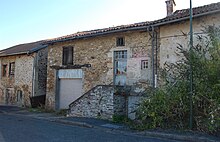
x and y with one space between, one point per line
191 70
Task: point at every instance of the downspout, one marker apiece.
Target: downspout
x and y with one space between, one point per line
33 74
152 56
156 68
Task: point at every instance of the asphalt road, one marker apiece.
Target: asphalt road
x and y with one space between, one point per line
18 128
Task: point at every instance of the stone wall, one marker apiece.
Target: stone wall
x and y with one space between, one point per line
173 34
41 72
102 102
98 51
18 88
7 83
97 103
24 76
120 103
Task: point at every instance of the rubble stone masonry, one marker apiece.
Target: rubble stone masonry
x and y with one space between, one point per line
98 51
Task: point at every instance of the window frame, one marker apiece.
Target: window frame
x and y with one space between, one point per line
4 70
120 41
67 58
144 64
11 69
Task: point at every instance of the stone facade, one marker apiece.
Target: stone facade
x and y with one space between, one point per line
155 45
98 51
40 68
98 102
173 34
16 89
103 102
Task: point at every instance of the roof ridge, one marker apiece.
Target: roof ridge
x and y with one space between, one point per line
207 5
178 14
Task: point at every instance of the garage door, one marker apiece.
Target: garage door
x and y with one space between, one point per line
69 91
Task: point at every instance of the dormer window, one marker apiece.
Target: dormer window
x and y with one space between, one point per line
120 41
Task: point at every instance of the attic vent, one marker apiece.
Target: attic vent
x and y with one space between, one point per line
120 41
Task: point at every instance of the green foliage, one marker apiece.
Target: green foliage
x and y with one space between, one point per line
119 119
62 112
168 107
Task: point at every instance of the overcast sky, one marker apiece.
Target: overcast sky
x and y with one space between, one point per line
23 21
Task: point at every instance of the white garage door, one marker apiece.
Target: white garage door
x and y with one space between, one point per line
69 91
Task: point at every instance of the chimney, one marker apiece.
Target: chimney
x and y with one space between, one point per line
170 7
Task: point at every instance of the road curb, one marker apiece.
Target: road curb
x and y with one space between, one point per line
81 124
179 137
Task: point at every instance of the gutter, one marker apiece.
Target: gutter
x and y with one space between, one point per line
27 52
36 49
154 24
20 53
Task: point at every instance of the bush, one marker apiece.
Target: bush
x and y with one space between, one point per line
168 107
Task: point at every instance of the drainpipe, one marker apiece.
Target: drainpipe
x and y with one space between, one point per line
152 56
156 64
33 74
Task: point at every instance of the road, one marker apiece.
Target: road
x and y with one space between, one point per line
20 128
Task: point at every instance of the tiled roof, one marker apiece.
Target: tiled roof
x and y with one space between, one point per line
177 15
99 31
184 13
22 49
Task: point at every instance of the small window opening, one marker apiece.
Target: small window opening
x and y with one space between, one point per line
68 55
19 95
4 70
120 41
12 69
144 64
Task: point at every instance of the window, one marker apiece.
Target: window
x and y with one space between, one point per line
120 67
12 69
19 95
4 70
120 41
144 64
68 55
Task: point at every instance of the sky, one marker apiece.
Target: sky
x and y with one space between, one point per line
23 21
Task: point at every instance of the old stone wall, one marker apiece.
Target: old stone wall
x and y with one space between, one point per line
24 76
98 51
120 105
97 103
103 102
173 34
40 72
18 88
7 82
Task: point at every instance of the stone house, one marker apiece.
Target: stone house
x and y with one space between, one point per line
84 68
23 73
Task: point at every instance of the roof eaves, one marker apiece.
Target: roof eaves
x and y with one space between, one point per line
100 33
36 48
12 54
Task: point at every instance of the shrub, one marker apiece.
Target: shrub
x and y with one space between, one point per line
168 106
